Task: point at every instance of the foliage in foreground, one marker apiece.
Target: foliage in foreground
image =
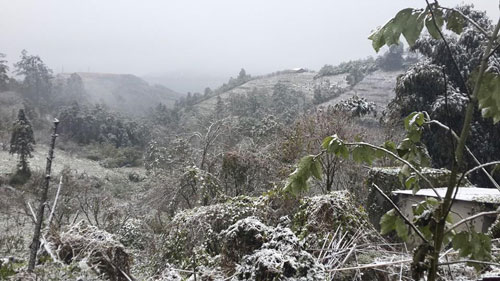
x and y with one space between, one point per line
434 85
431 222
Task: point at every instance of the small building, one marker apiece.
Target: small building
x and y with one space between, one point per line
468 201
387 179
298 70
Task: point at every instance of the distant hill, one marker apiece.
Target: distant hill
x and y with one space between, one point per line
125 92
377 87
186 82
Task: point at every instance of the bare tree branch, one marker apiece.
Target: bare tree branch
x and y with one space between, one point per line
493 51
470 261
35 244
55 203
482 166
471 218
371 265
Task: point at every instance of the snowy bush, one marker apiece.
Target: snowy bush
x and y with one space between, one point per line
242 238
319 216
282 258
197 231
87 245
132 233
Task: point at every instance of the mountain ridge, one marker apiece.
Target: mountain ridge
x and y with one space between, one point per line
125 93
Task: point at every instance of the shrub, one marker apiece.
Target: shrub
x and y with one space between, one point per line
355 67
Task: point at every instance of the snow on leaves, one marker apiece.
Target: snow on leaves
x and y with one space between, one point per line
410 22
489 96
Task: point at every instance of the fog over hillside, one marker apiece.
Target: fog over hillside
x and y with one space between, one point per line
198 38
125 92
223 140
184 82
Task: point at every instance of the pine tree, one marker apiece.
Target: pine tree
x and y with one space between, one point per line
220 108
22 142
4 68
242 75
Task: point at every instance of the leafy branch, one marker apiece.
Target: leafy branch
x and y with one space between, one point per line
469 20
408 222
413 168
431 217
489 109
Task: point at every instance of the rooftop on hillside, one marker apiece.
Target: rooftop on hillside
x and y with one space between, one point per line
476 194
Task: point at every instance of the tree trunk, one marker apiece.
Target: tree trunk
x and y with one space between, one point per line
445 207
43 201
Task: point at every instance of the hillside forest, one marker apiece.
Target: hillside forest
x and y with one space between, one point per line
285 176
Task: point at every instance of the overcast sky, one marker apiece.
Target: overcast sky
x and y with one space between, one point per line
206 37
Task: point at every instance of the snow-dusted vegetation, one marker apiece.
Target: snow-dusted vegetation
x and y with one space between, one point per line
350 172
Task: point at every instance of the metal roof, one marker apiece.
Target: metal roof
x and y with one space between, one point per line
475 194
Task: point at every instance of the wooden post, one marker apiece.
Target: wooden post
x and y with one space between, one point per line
35 244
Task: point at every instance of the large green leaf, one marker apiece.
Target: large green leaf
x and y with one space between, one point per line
396 26
363 153
481 246
401 228
308 166
489 96
316 168
388 222
476 246
297 181
378 40
431 24
414 120
333 144
389 34
413 125
429 204
455 22
412 183
413 27
461 242
326 142
391 146
410 23
392 221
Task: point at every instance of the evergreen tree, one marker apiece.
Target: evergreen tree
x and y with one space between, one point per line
22 142
220 108
207 92
437 87
242 75
4 78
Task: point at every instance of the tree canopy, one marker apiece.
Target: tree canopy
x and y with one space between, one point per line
36 85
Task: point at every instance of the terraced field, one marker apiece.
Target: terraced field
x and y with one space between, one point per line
377 87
